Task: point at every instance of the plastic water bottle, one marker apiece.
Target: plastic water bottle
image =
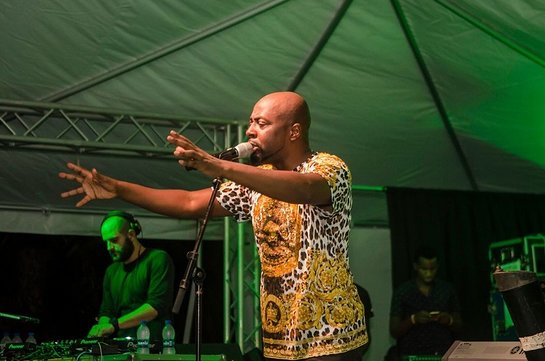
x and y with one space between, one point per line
30 338
169 335
17 338
142 338
5 340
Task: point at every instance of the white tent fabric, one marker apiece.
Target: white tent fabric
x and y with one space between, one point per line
439 94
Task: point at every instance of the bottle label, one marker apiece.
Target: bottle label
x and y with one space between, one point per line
168 343
143 343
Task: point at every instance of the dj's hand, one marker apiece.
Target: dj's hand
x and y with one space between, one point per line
101 330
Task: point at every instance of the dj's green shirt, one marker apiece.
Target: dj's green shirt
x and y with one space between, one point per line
149 280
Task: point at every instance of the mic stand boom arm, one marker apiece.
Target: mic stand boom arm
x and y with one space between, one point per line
196 273
19 318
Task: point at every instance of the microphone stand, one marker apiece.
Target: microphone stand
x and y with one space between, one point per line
196 273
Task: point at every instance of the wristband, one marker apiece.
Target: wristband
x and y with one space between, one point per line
113 321
413 319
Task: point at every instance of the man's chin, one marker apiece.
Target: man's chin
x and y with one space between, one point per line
256 158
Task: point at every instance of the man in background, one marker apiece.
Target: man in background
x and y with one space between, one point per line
425 311
138 285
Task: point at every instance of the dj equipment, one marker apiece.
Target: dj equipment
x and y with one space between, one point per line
152 357
91 346
186 352
103 347
133 223
482 350
117 350
15 350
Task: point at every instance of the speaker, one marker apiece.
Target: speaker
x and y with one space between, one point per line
483 350
133 223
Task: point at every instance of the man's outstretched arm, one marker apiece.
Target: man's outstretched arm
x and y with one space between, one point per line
176 203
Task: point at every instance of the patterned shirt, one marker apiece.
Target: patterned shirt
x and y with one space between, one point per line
309 304
430 338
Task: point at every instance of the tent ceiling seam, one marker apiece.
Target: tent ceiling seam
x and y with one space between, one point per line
433 91
461 13
164 51
316 49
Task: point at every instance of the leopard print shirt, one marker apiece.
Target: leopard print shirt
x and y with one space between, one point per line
309 303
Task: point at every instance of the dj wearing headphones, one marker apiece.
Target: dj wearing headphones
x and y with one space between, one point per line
137 286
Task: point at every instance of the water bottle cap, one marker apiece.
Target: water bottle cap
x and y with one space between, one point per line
168 322
143 322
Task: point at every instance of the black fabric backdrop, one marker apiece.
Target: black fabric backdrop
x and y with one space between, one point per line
460 226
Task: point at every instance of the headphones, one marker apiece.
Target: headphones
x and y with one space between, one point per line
133 223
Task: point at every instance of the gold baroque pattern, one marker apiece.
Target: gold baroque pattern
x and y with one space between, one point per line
331 277
278 236
327 167
330 301
343 313
308 313
273 314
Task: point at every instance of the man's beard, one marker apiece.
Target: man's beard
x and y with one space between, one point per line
126 251
256 158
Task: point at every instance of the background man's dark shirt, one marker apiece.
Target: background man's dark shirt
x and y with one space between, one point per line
424 339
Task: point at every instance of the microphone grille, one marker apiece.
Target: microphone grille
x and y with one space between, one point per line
244 150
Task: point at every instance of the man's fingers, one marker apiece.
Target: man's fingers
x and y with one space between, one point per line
73 166
179 151
173 137
77 169
187 154
179 140
83 201
72 192
70 176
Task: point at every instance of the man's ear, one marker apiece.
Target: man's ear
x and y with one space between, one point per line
131 233
295 131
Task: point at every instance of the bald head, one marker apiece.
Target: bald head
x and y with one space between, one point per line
120 239
112 226
289 106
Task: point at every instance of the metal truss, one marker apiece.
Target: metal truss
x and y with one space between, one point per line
97 130
242 277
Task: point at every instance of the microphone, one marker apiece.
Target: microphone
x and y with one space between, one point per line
243 150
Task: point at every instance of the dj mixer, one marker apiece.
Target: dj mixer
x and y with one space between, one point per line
68 349
113 350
